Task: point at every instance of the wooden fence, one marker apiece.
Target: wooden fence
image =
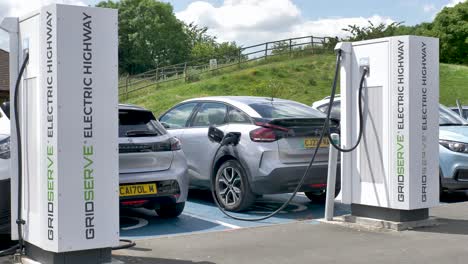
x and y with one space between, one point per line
191 69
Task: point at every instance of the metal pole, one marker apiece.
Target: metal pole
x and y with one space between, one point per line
331 178
460 108
266 50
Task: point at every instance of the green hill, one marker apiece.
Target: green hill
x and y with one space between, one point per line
304 79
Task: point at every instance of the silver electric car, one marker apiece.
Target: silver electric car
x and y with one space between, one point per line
277 141
453 145
4 170
153 168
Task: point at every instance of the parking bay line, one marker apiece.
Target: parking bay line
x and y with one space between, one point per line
213 221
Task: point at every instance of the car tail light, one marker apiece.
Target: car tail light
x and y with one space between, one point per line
134 203
267 132
318 185
175 144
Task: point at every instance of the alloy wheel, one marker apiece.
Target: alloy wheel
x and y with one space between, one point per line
230 186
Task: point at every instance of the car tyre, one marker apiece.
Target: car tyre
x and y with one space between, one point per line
232 188
170 210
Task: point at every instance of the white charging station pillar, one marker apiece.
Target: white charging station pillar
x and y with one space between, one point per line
68 117
393 173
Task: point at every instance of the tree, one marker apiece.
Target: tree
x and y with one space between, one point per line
451 27
371 31
149 35
198 35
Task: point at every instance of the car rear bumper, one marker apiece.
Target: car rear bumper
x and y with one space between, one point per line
177 172
286 179
5 213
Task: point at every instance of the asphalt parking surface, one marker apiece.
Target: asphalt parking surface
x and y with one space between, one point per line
201 215
201 220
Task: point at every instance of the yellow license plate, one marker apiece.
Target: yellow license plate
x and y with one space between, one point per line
138 189
312 142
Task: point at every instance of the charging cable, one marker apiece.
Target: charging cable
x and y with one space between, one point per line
332 98
233 139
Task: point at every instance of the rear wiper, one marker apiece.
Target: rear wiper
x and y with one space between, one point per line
451 124
140 133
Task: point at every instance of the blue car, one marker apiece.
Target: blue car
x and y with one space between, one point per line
453 140
453 145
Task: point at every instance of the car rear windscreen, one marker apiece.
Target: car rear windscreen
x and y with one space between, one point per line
136 123
285 110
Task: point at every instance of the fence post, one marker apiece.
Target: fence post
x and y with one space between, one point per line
312 43
185 72
239 57
126 88
266 50
290 47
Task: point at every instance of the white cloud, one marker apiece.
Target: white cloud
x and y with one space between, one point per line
452 3
249 22
435 11
429 8
22 7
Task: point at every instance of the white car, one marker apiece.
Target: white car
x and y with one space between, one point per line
4 170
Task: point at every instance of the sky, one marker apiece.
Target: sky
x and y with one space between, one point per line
254 21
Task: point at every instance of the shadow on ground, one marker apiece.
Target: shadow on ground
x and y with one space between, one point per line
140 260
5 242
300 208
454 197
452 215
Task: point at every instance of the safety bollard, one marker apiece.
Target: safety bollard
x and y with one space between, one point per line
331 178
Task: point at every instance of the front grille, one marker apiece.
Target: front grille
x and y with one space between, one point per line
462 175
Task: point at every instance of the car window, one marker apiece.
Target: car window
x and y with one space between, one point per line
238 117
6 108
285 110
449 118
137 123
465 113
335 111
178 116
323 108
210 114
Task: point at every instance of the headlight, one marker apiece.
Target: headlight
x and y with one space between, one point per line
5 148
455 146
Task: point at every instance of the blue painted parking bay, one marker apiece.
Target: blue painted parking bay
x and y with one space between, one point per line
202 215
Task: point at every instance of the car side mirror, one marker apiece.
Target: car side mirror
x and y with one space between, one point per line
215 134
165 125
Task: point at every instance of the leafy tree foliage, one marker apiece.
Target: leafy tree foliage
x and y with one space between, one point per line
450 26
371 31
149 35
205 47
